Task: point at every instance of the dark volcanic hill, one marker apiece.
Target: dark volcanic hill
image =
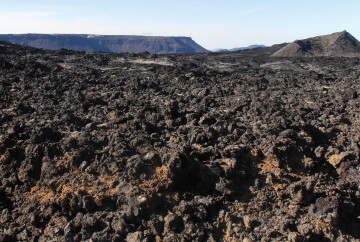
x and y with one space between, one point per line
340 44
107 43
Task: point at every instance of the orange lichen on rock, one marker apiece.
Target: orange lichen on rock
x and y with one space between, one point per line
270 165
65 160
160 176
40 195
336 159
107 180
94 186
279 186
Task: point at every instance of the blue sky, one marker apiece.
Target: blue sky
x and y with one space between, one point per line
211 23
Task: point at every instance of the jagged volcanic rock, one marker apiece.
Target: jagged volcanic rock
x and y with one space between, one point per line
341 44
138 147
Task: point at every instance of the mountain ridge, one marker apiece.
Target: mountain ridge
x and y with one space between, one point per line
254 46
107 43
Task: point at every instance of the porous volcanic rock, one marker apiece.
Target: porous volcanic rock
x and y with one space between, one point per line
137 147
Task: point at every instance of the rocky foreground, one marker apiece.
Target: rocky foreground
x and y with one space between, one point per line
120 147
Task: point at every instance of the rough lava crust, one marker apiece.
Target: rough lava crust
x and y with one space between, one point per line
210 147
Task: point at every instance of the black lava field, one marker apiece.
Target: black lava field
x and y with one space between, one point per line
205 147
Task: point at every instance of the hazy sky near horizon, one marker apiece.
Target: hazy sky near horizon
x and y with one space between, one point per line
211 23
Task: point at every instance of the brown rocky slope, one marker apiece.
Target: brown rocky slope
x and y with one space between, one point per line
341 44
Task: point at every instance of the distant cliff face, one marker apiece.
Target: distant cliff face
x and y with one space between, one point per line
340 44
107 43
